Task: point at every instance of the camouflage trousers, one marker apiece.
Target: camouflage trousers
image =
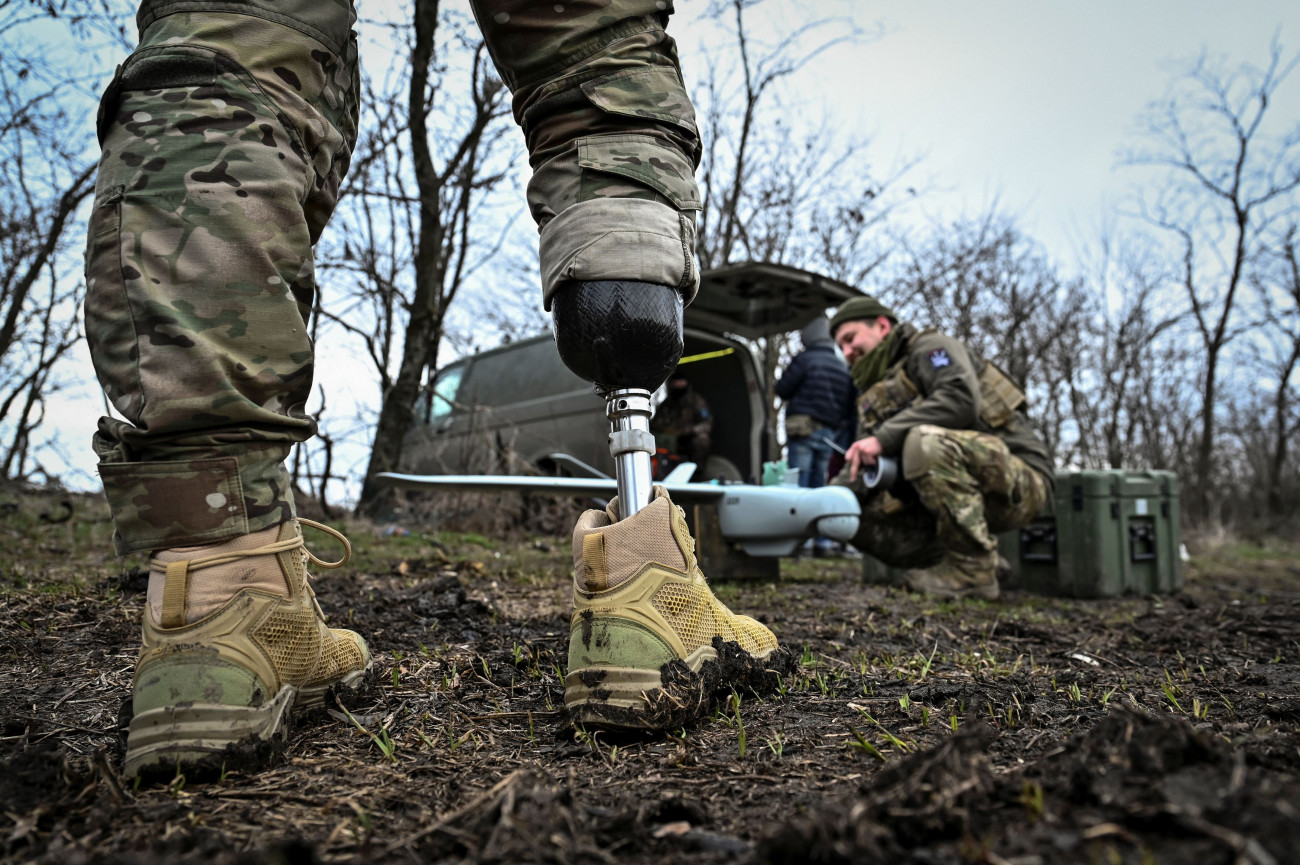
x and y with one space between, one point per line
965 488
225 138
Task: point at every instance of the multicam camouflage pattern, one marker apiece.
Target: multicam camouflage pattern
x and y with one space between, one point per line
931 378
968 487
216 178
682 412
226 136
598 93
682 424
974 486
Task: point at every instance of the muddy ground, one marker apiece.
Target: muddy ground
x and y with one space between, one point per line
1027 730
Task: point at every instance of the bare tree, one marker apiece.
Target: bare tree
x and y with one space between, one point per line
48 336
45 175
1222 176
1277 280
412 227
779 191
774 190
1124 329
983 282
1165 435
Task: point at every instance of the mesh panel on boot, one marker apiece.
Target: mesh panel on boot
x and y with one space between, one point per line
341 655
304 650
292 637
697 616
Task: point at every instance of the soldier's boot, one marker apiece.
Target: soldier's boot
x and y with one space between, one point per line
1003 570
233 642
651 647
958 575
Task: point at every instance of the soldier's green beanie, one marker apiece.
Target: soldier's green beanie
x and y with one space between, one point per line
865 308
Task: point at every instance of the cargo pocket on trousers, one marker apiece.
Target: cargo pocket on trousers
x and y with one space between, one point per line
103 246
655 92
651 161
171 503
610 162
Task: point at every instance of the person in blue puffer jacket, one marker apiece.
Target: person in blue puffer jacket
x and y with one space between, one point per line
819 402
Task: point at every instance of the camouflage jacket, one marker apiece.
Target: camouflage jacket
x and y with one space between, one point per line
935 379
678 415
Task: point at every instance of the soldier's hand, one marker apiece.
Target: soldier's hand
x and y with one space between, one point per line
863 452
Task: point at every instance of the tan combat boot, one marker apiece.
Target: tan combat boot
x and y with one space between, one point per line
957 576
651 647
215 682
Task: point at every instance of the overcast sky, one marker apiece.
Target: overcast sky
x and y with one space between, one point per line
1027 101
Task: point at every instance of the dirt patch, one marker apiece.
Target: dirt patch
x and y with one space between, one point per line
1029 730
1138 786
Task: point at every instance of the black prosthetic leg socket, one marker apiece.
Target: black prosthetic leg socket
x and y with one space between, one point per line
618 334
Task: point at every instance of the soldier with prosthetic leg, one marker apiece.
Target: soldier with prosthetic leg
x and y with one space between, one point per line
225 138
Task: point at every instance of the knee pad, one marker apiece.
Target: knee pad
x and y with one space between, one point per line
618 334
925 447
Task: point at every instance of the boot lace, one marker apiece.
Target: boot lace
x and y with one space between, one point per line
272 549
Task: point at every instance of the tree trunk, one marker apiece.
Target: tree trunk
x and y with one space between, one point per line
397 409
1205 450
1281 405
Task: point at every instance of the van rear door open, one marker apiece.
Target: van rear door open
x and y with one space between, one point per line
755 299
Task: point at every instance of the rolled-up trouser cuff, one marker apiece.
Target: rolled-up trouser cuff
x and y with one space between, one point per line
620 239
171 503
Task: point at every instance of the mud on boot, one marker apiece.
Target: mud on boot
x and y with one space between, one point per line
218 691
651 647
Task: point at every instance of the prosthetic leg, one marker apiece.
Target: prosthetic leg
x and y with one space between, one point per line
651 646
626 338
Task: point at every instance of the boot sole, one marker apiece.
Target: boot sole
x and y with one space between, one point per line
207 735
630 698
212 738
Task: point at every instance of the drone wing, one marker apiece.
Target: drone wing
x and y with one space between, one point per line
602 487
764 521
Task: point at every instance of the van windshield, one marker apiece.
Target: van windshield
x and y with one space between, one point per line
444 391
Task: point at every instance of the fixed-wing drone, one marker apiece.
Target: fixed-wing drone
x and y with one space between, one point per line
761 520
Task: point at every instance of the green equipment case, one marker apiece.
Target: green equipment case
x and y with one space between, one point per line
1107 532
1111 532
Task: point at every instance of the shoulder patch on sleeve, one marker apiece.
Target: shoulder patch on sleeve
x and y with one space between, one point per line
939 358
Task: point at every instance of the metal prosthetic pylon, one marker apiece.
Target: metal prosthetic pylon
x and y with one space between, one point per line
632 445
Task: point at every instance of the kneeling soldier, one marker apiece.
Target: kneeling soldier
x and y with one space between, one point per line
972 465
